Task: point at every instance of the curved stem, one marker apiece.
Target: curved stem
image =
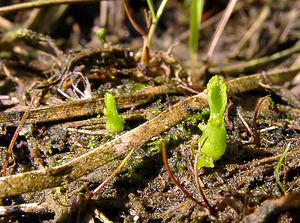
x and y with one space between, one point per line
175 180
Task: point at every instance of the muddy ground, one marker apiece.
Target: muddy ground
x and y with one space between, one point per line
56 150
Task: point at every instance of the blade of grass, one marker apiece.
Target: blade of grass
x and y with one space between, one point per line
195 21
161 9
278 167
151 7
155 19
196 9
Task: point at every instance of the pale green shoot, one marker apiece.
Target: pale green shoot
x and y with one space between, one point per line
213 140
101 33
278 167
196 9
155 18
115 122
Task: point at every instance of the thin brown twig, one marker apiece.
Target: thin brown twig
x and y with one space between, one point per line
13 140
132 21
255 26
197 181
39 4
220 28
292 18
175 180
273 208
244 123
145 50
228 122
239 67
205 24
256 135
112 175
5 23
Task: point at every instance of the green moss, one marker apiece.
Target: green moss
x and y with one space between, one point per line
93 142
155 145
138 87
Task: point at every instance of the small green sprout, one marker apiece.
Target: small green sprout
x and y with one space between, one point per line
278 167
115 122
101 34
213 140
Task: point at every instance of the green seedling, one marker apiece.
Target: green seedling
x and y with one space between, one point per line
213 140
101 34
115 122
155 16
154 21
278 167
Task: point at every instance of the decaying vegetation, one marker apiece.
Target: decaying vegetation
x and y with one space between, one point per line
59 161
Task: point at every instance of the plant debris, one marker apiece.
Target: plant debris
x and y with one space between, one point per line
59 162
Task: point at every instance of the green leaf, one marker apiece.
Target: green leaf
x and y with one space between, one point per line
205 161
217 98
115 122
213 140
